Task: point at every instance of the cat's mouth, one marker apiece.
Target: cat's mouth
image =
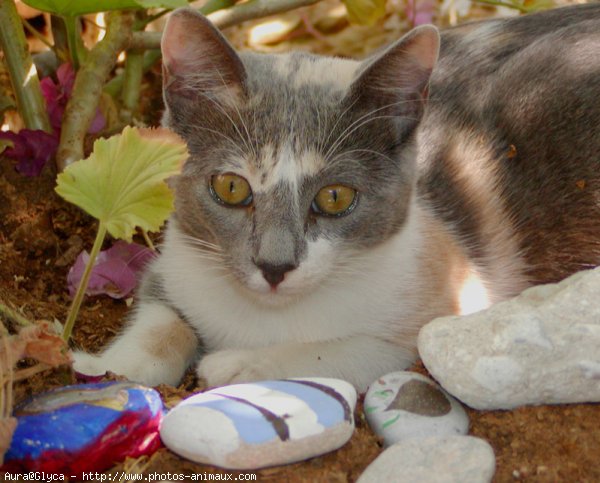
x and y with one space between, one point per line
284 292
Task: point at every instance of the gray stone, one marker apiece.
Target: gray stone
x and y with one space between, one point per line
405 404
437 459
542 347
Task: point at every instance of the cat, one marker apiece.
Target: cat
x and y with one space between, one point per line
330 207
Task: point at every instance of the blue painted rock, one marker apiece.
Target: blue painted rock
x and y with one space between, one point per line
86 427
266 423
404 404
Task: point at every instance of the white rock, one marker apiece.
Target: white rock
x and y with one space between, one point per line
405 405
266 423
437 459
542 347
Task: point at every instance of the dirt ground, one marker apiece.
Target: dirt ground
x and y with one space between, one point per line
40 236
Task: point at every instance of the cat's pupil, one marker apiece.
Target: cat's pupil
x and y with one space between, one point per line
231 186
334 195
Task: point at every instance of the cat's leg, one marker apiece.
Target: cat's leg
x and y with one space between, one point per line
156 347
359 360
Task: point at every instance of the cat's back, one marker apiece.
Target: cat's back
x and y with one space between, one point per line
510 143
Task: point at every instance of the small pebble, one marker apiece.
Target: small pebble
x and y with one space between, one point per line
260 424
404 404
84 428
437 459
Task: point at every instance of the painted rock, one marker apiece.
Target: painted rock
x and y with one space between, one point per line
266 423
86 427
405 404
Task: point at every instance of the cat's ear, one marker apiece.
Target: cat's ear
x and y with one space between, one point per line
400 74
198 61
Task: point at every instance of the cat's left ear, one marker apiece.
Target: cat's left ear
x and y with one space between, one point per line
400 74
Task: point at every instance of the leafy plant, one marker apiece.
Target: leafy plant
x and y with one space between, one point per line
122 185
365 12
70 8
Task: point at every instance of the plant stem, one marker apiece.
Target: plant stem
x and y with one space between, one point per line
74 41
36 34
23 75
83 284
13 315
148 241
30 371
227 17
92 75
255 9
115 85
132 82
214 5
500 3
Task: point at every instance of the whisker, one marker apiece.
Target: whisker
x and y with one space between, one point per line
338 158
224 136
235 126
340 117
361 122
248 141
349 132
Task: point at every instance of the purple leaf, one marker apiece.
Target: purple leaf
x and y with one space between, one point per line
57 95
31 148
115 272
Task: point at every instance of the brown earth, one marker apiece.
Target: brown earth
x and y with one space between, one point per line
40 236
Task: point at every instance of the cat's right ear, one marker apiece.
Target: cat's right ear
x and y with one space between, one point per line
398 77
198 62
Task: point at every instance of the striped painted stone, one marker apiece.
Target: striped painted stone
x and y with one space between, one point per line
260 424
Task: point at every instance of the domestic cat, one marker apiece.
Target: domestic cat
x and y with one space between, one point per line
331 207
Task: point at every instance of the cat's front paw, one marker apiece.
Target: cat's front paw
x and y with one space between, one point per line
139 367
236 366
88 364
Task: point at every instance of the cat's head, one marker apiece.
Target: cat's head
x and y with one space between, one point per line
297 162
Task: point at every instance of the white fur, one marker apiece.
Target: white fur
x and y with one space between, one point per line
337 72
347 324
129 354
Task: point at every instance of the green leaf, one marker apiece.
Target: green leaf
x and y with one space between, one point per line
365 12
122 182
72 8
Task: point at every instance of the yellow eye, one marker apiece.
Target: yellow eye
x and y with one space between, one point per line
231 189
334 200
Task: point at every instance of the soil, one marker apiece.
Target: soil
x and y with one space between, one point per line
40 236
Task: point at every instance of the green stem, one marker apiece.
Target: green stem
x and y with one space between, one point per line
92 75
13 315
23 75
148 241
36 34
214 5
83 284
115 85
132 82
74 41
223 17
500 3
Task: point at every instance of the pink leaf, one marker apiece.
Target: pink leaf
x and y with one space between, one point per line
115 272
57 95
